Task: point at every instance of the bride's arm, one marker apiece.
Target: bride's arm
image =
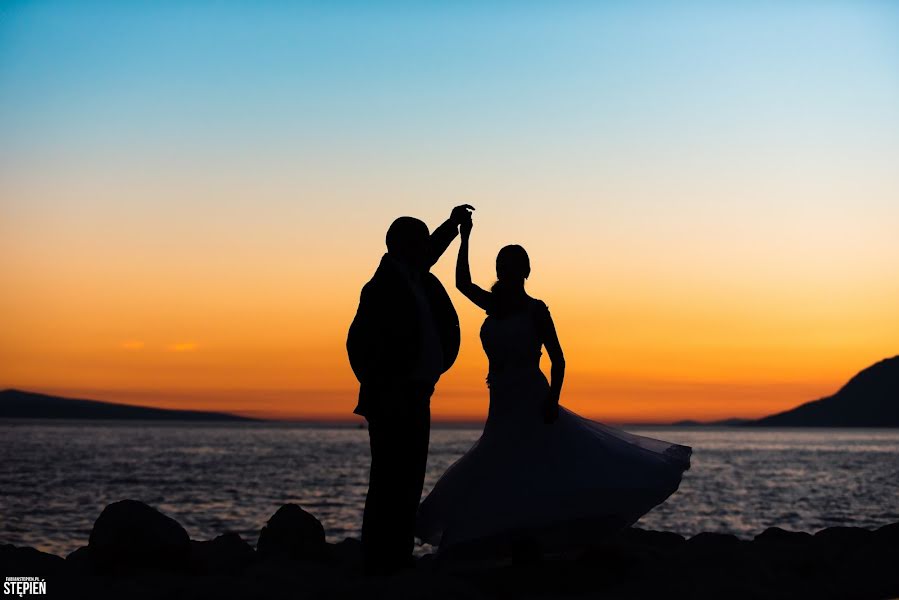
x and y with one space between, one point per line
475 293
557 373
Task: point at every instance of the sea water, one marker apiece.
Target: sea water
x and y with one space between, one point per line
56 476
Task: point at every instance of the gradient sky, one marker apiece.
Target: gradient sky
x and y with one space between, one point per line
193 193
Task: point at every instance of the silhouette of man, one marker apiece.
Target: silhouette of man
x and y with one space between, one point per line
404 337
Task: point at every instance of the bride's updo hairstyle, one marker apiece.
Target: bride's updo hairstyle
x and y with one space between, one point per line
512 267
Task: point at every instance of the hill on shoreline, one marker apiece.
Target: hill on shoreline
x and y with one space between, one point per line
19 404
869 399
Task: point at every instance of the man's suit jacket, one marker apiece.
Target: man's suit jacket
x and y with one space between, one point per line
384 341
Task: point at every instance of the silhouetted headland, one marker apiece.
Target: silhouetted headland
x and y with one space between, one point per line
18 404
869 399
135 551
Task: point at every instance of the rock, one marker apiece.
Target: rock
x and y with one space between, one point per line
26 561
131 535
518 548
888 535
630 550
844 537
855 564
776 535
661 540
348 552
614 562
228 553
789 555
712 540
292 533
714 547
80 561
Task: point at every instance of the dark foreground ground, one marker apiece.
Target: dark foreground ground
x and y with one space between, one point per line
136 552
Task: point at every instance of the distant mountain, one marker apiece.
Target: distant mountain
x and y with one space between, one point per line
725 422
870 399
29 405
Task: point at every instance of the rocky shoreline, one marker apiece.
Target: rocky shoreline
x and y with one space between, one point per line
134 551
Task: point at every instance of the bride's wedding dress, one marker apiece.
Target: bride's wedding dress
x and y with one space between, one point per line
526 477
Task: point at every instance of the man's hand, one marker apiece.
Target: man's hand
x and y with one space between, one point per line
461 213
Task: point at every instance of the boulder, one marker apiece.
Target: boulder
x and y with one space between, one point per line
776 535
856 564
227 553
292 533
714 547
131 535
844 537
789 556
712 540
26 561
660 540
348 552
80 561
888 536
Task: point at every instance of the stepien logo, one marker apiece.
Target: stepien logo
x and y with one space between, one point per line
21 586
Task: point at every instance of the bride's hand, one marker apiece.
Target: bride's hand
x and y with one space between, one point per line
550 409
466 225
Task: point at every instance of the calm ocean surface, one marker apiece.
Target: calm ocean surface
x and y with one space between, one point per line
56 477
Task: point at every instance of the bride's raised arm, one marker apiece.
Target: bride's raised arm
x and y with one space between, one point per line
475 293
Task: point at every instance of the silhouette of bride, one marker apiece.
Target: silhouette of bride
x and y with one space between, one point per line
538 471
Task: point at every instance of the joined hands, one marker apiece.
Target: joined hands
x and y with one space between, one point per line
461 217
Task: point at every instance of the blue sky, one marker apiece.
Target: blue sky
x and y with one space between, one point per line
360 71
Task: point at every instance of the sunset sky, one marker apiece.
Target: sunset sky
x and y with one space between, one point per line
193 193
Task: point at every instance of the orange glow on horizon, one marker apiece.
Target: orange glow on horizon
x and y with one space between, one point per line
625 401
648 348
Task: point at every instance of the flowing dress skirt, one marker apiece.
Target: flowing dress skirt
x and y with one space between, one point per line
564 480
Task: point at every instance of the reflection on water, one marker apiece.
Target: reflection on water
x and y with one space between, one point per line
56 477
